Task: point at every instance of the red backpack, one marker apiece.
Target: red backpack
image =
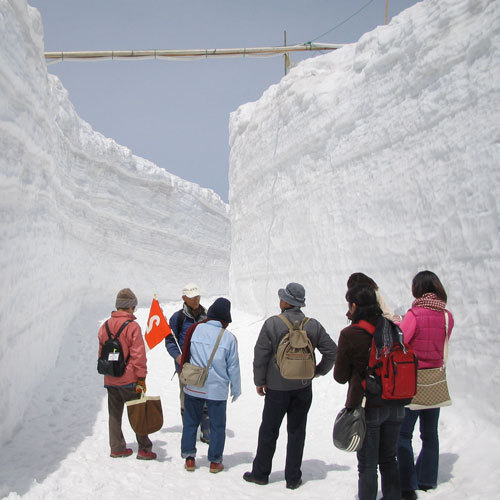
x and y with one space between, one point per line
392 367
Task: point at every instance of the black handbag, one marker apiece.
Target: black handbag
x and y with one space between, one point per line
349 428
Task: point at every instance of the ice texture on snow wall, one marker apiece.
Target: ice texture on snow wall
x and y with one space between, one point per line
81 217
382 157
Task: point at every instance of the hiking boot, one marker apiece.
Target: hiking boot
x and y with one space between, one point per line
294 486
190 464
146 455
120 454
248 476
216 467
408 495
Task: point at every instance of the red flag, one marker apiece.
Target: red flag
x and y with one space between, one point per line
158 327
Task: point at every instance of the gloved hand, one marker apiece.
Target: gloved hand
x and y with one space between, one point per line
234 398
141 385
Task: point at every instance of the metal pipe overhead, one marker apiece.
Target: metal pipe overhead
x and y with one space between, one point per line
52 57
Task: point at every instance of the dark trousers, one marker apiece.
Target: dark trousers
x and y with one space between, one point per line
117 397
295 404
425 471
380 449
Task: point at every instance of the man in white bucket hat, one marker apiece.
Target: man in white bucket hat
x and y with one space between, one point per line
192 312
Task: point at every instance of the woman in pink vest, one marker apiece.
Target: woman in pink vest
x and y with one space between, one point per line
424 328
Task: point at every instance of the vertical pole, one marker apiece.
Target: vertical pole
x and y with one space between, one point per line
284 55
386 11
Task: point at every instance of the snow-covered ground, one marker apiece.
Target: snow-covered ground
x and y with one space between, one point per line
381 157
62 450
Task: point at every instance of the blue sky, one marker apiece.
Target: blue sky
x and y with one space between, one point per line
176 113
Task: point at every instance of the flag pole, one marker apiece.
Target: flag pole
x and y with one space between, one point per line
175 338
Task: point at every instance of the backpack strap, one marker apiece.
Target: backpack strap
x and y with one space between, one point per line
107 329
120 330
367 327
180 321
370 330
285 320
293 331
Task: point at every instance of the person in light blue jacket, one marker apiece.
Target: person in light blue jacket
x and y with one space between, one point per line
224 373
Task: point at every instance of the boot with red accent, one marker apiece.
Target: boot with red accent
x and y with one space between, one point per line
190 464
216 467
121 454
146 455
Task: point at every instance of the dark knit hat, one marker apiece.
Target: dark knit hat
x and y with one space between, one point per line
294 294
125 299
220 310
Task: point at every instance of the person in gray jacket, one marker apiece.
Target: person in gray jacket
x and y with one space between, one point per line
284 396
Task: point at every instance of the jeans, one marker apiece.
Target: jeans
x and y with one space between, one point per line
380 449
425 471
193 411
295 404
205 423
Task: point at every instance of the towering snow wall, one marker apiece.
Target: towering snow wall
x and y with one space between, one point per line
80 218
382 157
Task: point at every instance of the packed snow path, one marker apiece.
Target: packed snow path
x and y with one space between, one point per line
61 449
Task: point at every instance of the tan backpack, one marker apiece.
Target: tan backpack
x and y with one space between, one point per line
295 353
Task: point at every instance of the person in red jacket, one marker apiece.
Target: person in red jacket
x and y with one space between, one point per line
133 381
424 329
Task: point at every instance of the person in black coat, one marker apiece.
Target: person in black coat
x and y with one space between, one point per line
383 420
289 397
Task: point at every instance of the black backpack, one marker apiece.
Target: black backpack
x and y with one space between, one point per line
111 361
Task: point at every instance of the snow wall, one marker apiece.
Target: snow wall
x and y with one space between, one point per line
382 157
80 218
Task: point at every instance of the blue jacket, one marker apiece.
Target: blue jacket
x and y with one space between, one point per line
170 344
225 367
